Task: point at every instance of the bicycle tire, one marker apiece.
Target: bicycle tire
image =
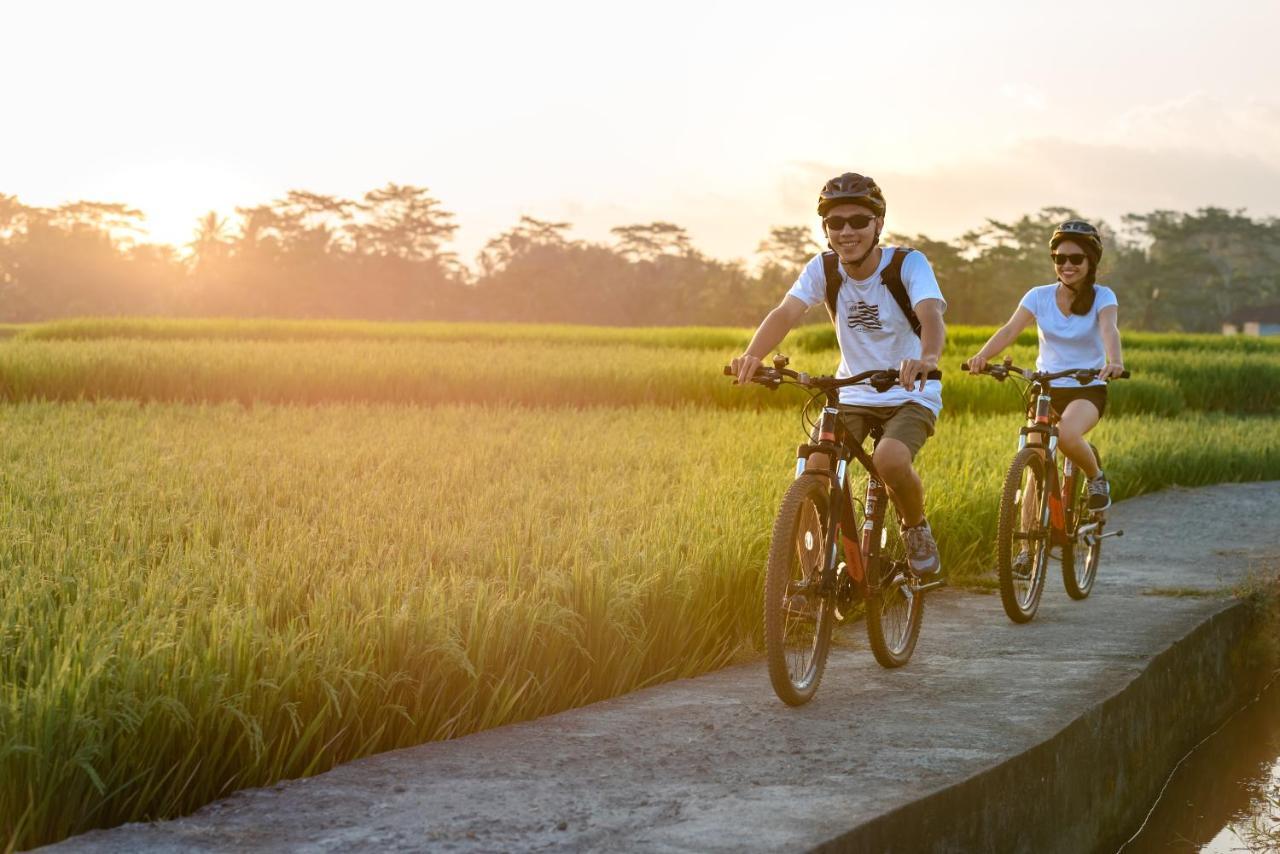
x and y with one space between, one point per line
798 633
1078 581
895 609
1020 594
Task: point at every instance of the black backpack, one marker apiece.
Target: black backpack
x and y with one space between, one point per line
892 278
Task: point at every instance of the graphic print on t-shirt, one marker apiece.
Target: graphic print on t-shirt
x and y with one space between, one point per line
864 317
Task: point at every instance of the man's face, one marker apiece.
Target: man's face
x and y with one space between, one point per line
848 240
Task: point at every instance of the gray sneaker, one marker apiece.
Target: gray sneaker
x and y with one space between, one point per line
922 551
1099 493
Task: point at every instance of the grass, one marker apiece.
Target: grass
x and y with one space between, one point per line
812 337
202 598
530 373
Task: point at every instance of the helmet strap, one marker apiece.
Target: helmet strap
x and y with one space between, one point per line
875 241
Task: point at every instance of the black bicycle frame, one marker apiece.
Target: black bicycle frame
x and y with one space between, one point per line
862 559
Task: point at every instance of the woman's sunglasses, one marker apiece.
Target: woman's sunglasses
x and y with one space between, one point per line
837 223
1076 259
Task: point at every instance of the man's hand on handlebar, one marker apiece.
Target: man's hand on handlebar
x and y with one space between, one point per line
912 370
745 367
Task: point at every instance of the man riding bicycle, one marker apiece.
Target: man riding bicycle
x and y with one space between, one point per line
887 310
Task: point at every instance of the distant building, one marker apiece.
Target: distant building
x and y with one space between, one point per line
1259 320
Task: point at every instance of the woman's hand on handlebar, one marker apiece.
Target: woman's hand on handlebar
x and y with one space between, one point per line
745 367
976 364
1111 371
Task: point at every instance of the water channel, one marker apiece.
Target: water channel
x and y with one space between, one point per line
1225 796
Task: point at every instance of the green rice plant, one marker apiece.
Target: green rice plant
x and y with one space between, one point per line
815 335
265 329
966 340
533 373
196 599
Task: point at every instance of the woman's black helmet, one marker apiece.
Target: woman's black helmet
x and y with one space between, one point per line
1080 232
851 188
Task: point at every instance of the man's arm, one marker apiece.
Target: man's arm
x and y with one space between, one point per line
773 329
933 335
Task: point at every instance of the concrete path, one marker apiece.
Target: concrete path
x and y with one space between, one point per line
973 745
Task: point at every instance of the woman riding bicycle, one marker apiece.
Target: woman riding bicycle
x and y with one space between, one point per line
1076 321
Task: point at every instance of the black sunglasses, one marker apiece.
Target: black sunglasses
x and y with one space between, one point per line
1076 259
837 223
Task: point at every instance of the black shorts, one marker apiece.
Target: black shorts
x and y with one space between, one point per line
1095 394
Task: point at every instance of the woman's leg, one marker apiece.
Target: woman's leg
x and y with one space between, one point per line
1079 418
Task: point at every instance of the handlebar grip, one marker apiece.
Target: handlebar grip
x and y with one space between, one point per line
1124 375
728 371
964 366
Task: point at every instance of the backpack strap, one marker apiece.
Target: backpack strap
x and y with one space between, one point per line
831 268
891 277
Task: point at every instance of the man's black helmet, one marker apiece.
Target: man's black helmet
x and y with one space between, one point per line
851 188
1081 232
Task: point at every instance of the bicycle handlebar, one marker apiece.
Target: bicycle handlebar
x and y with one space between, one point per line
1003 370
880 380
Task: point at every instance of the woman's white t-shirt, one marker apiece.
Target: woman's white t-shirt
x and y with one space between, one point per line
1068 340
873 332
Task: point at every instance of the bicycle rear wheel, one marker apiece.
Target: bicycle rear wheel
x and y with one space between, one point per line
1080 560
895 609
797 618
1022 537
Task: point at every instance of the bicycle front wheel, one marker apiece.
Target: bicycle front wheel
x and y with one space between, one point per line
1022 536
797 616
895 608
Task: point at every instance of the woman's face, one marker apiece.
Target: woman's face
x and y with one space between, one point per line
1071 262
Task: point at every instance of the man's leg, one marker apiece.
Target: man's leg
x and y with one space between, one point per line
893 461
905 432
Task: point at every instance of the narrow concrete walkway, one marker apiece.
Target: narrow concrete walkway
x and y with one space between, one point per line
718 764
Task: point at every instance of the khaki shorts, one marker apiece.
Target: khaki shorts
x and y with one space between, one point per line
911 424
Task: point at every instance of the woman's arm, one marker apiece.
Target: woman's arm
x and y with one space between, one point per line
1108 319
1003 337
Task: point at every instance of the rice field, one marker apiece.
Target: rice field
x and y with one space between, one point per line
227 560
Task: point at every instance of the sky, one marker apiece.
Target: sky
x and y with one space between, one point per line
723 117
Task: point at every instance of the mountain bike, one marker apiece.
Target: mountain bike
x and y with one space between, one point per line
809 587
1040 509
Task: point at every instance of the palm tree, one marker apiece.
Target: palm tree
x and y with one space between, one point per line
210 243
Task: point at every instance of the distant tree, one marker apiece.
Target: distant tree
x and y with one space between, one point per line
210 244
651 241
1192 270
528 235
403 222
789 246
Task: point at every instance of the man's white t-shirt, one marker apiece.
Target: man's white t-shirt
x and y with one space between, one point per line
1068 340
872 331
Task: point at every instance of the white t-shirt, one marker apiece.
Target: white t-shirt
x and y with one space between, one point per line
873 332
1068 340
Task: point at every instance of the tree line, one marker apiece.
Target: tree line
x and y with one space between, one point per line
387 256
